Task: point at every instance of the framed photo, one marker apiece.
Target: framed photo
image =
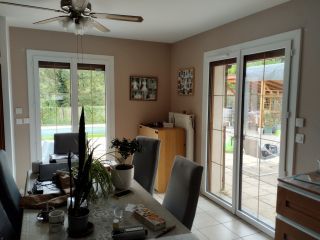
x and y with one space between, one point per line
143 88
185 81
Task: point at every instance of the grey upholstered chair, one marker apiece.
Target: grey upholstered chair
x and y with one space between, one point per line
65 143
182 194
10 195
6 230
146 162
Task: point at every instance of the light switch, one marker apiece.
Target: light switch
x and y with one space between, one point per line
18 110
26 121
19 121
299 122
300 138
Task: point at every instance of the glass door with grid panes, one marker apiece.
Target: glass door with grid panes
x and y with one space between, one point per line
221 134
61 89
246 116
92 96
261 130
55 102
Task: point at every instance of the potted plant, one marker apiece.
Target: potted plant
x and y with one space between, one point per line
102 184
122 173
82 181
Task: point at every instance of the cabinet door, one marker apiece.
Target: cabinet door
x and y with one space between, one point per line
303 210
172 144
285 231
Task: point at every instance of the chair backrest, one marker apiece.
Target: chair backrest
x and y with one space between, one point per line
182 194
146 162
6 230
65 143
10 195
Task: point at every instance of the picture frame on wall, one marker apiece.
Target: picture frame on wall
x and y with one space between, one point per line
143 88
185 85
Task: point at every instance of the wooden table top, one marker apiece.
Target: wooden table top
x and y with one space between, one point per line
101 215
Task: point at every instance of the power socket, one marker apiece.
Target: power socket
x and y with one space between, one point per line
300 138
299 122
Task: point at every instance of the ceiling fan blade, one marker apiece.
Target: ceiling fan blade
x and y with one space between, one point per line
99 26
49 20
29 6
119 17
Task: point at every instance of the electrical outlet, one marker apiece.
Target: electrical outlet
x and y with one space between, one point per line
299 122
19 110
19 121
300 138
26 121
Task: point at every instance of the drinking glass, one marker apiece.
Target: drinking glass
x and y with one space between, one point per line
118 212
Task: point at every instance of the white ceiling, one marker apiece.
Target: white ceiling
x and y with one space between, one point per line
164 20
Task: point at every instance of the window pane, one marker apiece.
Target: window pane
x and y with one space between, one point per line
91 95
55 103
263 88
221 126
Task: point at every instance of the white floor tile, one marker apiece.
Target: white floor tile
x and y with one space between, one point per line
199 235
212 222
218 232
202 220
257 236
240 228
222 216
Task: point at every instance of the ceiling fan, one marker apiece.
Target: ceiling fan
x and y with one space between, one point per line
80 13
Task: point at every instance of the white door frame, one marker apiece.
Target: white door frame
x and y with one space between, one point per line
291 41
284 125
206 89
33 57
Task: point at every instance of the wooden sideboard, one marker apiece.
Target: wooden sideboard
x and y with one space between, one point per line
172 143
298 209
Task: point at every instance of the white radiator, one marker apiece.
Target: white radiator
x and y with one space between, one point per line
185 121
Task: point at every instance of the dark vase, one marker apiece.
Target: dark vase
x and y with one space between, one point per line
78 223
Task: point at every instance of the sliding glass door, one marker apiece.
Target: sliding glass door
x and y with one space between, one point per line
246 129
92 96
221 150
61 89
55 102
261 133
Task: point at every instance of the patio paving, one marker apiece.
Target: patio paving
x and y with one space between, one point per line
259 186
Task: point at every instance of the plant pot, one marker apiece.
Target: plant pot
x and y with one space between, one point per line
122 176
78 223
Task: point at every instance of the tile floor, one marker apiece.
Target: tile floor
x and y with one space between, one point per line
212 222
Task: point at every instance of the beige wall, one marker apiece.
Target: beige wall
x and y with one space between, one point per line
138 57
289 16
130 57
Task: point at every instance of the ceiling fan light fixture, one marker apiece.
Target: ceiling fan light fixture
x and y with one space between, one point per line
87 10
66 5
78 13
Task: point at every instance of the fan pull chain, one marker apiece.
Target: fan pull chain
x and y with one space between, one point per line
81 47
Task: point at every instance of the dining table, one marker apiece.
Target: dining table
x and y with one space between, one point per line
102 216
